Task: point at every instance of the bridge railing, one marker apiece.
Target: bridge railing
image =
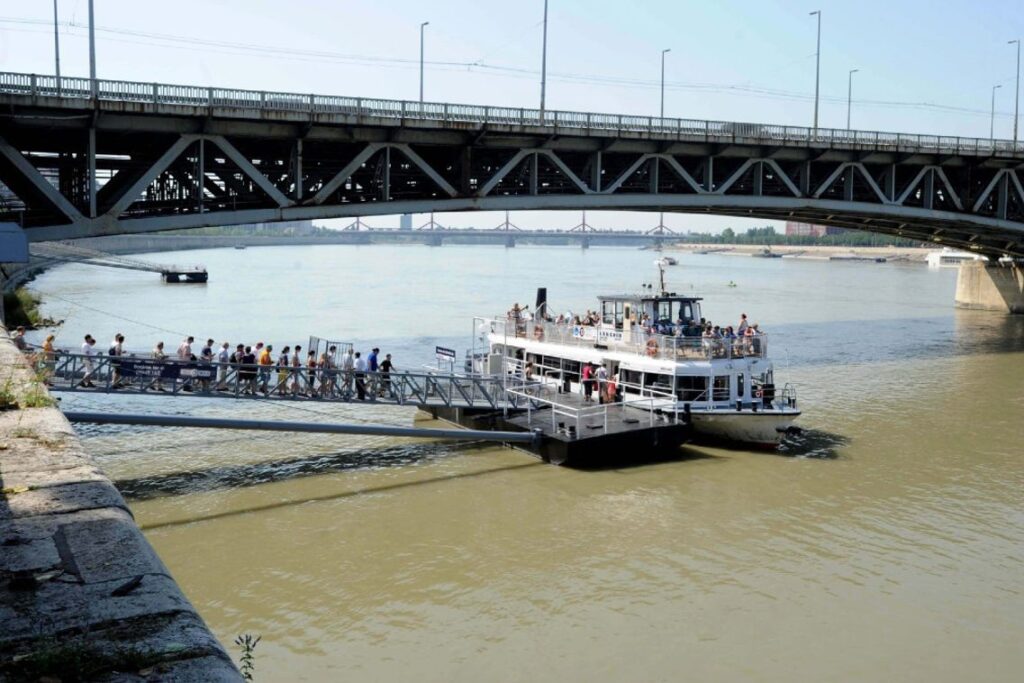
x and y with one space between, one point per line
682 129
137 374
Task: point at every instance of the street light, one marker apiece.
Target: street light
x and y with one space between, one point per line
422 26
817 70
849 96
992 120
663 53
56 44
1016 97
93 87
544 62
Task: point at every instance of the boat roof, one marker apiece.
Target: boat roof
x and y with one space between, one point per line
665 296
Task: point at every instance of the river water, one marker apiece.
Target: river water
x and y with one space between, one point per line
886 544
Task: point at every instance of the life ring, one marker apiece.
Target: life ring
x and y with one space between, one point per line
538 333
759 393
652 347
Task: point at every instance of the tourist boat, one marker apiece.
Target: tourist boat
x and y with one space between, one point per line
725 388
950 258
669 261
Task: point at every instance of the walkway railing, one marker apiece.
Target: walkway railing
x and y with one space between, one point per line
142 375
661 346
361 107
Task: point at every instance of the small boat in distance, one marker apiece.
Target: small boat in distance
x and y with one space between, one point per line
669 261
766 253
239 246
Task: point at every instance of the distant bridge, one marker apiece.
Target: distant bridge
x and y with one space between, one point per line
144 157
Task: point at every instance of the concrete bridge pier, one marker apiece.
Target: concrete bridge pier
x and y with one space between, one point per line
585 243
433 240
510 242
991 286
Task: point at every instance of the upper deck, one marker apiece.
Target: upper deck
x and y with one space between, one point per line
636 340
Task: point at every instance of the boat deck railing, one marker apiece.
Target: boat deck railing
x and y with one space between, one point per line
546 390
640 342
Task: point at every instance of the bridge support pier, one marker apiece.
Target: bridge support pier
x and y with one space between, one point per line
991 287
510 242
585 243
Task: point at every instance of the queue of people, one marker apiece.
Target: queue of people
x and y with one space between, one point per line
253 369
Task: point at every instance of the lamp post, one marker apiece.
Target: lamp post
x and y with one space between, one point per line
992 119
422 26
817 70
849 96
92 54
544 63
663 53
1016 97
56 44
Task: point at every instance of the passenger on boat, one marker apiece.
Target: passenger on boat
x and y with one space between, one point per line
588 382
602 382
612 390
742 329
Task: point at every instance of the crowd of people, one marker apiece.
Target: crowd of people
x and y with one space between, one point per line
744 338
251 369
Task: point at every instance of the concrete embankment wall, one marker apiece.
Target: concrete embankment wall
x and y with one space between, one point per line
79 584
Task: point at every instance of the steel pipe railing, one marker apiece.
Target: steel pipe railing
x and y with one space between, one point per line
72 88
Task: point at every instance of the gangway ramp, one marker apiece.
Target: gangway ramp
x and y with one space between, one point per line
563 429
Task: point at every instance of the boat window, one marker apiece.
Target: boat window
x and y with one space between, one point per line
664 312
571 370
692 388
686 310
656 382
720 388
632 379
608 312
619 308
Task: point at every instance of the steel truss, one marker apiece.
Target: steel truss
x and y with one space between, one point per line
140 169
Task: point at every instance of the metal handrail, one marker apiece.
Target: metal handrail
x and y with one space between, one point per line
144 374
400 111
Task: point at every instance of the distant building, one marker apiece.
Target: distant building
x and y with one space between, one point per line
405 222
810 229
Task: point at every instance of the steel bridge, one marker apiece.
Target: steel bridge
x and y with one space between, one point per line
81 159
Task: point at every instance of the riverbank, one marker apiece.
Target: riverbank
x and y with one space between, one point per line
82 593
820 253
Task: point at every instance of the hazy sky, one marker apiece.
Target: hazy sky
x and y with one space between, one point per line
925 66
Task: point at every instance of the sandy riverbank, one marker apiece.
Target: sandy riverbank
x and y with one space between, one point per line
914 254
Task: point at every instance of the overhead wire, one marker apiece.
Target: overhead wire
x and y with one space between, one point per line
319 56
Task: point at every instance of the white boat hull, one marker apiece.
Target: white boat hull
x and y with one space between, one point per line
761 428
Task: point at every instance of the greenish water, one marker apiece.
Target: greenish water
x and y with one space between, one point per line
885 545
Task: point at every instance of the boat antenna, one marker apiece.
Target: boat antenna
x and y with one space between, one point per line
661 276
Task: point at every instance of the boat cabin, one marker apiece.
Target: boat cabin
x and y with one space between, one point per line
664 311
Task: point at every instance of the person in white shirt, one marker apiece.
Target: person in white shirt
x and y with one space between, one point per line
602 380
360 368
296 369
185 349
348 364
223 359
89 351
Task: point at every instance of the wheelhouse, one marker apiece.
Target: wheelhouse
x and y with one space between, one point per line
665 312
